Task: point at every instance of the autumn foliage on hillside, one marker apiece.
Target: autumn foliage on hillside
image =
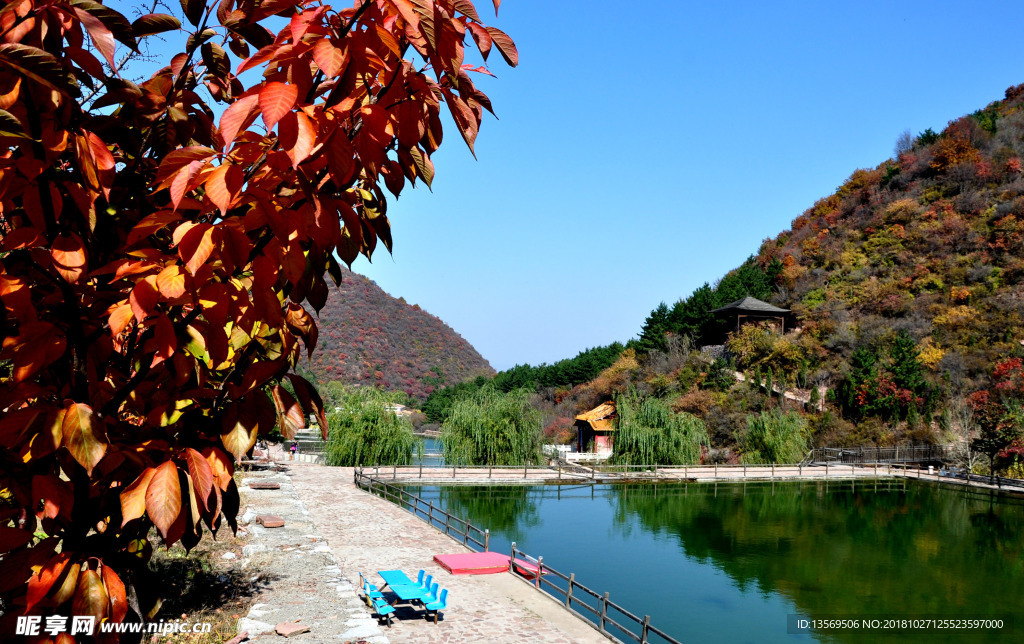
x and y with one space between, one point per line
369 338
156 259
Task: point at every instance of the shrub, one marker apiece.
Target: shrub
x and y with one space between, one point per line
366 432
774 437
650 433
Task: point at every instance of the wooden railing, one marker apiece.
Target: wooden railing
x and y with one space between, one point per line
896 454
596 608
438 517
600 612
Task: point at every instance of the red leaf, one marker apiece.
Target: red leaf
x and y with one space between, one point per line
310 399
102 38
11 538
505 45
40 584
154 23
183 181
202 480
144 297
238 116
276 100
195 247
116 594
297 136
223 186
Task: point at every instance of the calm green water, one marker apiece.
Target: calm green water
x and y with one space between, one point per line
730 563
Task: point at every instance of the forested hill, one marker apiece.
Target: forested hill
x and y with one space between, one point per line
905 284
368 337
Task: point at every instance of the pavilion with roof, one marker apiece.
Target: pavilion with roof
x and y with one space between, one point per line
751 309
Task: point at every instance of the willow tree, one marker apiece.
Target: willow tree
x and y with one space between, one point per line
366 430
160 254
488 427
650 433
774 437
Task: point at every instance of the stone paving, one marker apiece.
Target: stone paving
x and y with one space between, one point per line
367 534
305 582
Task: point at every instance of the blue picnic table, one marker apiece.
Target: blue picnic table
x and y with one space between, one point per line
408 592
395 577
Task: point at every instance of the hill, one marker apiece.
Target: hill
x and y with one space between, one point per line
906 292
369 337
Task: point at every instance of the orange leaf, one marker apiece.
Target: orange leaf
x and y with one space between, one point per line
220 465
328 58
310 399
119 317
133 498
289 413
171 282
178 159
144 297
203 480
116 594
195 246
68 254
163 498
84 435
276 100
223 186
239 429
236 117
90 596
184 181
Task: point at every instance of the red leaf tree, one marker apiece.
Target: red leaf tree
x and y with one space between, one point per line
155 258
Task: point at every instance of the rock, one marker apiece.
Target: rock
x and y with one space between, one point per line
270 521
291 628
254 627
248 517
228 555
252 549
265 485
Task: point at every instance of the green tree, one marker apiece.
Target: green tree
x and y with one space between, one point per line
489 427
366 431
650 433
652 336
774 437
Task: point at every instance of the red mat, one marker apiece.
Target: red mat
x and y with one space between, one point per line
482 563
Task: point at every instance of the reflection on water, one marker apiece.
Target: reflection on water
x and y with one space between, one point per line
728 563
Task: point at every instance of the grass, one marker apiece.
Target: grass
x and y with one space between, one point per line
201 586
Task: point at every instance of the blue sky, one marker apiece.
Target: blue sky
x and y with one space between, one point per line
646 148
643 151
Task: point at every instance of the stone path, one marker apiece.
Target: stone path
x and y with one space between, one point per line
305 583
367 534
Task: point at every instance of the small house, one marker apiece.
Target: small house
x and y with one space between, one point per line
594 430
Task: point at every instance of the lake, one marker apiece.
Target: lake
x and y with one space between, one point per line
738 563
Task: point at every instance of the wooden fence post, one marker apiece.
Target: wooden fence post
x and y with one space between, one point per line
568 594
604 612
646 626
512 559
540 571
487 539
447 519
465 537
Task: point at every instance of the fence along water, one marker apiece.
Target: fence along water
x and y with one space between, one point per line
596 608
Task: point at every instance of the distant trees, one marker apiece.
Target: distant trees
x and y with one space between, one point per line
650 433
490 427
692 317
889 384
584 367
999 412
365 432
